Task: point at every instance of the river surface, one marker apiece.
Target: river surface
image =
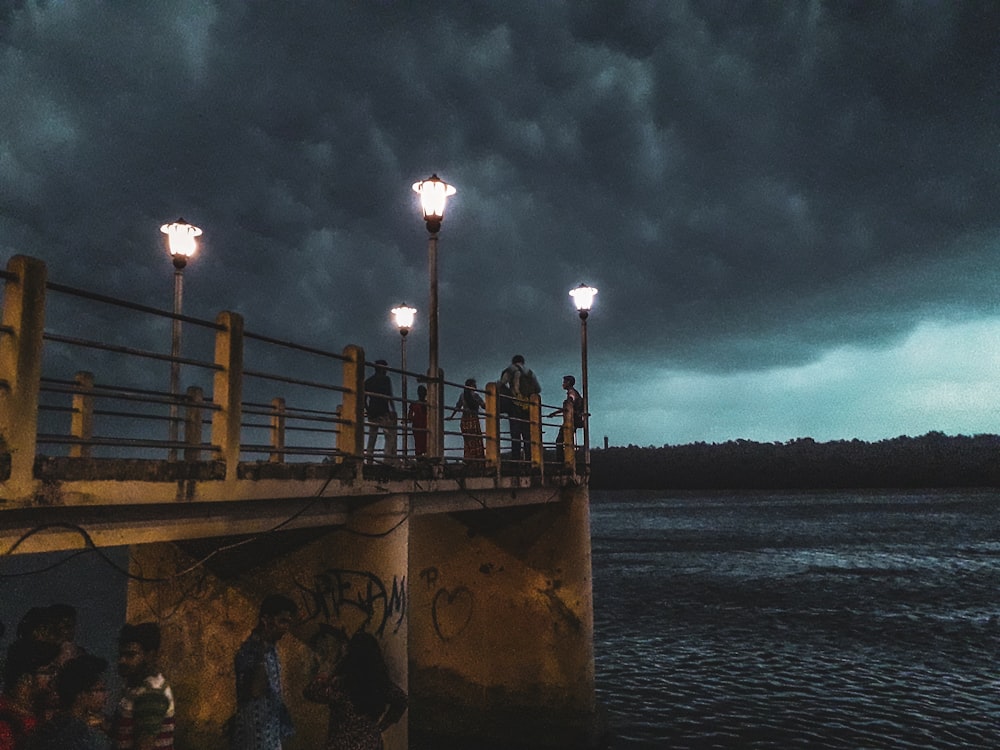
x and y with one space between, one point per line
822 620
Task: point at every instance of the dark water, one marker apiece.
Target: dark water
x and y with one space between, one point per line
798 620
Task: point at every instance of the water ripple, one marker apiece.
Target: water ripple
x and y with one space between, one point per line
857 622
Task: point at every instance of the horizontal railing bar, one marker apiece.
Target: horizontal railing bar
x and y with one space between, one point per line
93 296
262 426
121 442
60 409
296 417
88 344
302 451
289 408
293 381
293 345
143 397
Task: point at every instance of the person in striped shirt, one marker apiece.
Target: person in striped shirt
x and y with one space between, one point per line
144 718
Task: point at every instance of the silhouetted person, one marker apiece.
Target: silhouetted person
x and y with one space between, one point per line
262 720
362 698
572 405
381 411
469 404
517 384
418 421
78 723
27 686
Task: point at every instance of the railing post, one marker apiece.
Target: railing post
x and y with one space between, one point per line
81 424
278 430
351 435
535 426
492 429
21 368
567 438
193 423
227 392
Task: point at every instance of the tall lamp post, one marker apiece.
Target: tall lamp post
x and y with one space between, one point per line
403 317
434 193
583 298
181 245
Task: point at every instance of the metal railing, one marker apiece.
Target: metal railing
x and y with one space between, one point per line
89 388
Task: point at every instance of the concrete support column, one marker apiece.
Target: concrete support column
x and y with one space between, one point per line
351 433
23 325
501 625
228 391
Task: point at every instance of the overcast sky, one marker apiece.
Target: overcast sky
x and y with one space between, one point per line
791 209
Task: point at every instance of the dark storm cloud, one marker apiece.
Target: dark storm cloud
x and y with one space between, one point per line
748 185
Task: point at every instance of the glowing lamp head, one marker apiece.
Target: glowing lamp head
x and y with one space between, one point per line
433 194
583 298
181 240
403 317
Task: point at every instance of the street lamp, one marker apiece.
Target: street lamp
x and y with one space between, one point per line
434 193
583 298
403 317
181 245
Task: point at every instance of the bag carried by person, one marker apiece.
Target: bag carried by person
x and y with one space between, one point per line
505 396
577 400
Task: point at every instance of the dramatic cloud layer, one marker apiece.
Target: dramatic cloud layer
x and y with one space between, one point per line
790 209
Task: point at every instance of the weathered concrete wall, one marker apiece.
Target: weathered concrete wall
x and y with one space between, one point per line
501 624
484 616
354 576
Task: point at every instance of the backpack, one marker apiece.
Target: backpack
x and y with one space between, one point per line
505 396
577 400
529 383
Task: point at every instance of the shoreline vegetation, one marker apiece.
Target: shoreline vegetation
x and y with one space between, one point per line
934 460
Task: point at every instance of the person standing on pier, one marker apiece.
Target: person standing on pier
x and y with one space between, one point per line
517 384
144 718
469 404
381 412
572 405
418 421
262 720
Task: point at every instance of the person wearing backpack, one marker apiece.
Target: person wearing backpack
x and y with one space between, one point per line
517 384
572 404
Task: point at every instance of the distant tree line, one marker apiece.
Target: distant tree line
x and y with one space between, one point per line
931 460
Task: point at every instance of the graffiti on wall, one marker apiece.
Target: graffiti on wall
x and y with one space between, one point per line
451 609
354 599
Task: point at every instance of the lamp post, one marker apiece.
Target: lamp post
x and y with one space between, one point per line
583 298
181 245
403 316
434 193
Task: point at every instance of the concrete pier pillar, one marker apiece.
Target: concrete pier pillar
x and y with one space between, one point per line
501 625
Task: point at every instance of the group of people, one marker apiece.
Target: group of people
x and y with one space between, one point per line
350 677
55 694
517 383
